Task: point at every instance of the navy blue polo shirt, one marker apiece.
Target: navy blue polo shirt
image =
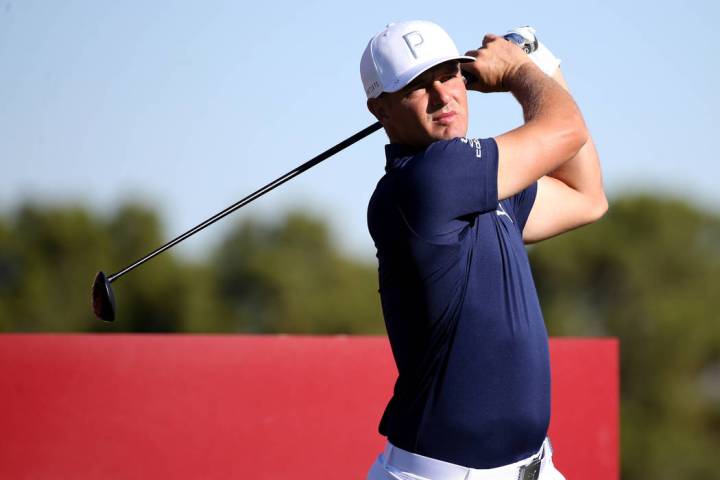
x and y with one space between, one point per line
460 307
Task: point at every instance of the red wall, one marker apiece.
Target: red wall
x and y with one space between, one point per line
255 407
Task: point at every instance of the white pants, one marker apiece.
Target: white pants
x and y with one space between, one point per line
397 464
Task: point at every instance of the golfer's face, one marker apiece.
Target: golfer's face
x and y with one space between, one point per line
432 107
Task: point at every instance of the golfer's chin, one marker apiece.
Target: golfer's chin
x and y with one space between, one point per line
431 133
448 132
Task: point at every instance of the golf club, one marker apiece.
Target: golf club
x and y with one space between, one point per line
103 299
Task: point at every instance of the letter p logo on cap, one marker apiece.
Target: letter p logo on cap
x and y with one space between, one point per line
413 39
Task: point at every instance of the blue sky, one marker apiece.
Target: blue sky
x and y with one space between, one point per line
191 105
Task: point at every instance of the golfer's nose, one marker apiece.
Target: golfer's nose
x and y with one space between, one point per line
439 93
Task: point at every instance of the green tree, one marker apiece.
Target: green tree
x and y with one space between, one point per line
163 294
49 256
649 273
10 271
289 278
46 259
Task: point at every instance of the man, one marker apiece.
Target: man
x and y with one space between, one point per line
449 219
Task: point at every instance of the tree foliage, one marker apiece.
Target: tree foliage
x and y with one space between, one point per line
289 278
284 277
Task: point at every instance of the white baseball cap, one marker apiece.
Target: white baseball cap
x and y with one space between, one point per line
397 55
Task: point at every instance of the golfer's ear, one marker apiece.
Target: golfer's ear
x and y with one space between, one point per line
377 108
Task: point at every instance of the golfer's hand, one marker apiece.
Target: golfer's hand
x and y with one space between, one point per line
496 63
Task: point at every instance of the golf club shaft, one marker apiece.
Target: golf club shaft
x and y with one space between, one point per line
256 194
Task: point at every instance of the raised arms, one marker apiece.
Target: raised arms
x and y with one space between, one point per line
552 147
570 196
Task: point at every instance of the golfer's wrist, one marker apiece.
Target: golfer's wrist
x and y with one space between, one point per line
520 79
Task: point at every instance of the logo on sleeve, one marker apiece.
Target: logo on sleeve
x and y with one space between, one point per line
473 143
501 211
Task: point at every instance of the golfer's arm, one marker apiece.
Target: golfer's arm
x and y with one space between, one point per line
553 133
570 196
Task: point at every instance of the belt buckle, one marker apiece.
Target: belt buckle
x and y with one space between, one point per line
531 471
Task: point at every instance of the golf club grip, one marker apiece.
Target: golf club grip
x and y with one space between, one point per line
527 46
256 194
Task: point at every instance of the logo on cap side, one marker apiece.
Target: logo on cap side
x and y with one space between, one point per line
412 40
370 90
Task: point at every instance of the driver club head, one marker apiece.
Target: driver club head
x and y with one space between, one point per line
103 300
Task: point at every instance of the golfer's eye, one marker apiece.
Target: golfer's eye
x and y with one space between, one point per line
415 92
448 77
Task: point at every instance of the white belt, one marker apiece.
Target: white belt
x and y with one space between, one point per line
397 460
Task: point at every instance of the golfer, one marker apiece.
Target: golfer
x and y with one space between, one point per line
449 219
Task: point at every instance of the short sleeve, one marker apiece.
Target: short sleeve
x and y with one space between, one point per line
450 180
522 204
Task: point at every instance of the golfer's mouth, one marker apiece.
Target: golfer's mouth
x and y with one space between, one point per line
445 118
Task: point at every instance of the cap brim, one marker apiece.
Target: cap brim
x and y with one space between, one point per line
418 70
